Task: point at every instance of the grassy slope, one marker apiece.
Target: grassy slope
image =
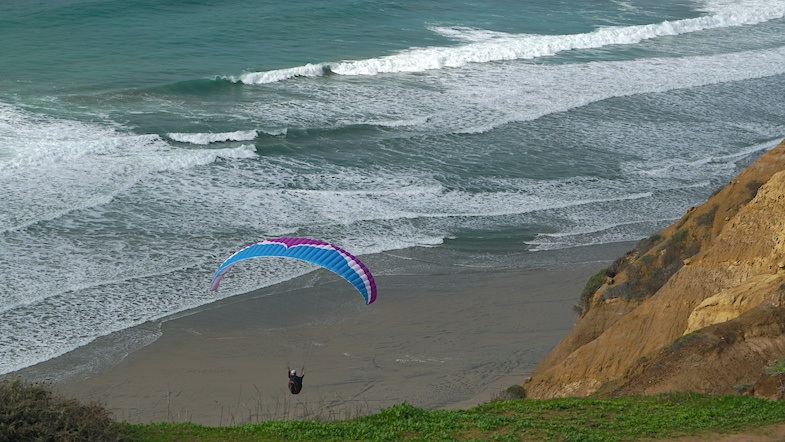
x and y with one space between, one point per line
626 418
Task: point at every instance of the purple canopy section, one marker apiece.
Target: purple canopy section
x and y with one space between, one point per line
315 251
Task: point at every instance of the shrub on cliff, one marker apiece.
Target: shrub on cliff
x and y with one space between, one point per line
34 412
592 285
648 270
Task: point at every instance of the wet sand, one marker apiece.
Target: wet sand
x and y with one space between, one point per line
446 339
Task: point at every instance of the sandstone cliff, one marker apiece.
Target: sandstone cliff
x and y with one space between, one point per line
698 307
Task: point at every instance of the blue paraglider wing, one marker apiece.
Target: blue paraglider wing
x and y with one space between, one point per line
318 252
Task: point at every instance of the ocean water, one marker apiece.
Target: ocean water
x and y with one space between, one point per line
142 142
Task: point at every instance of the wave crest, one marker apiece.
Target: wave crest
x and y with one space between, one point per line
309 70
483 46
208 138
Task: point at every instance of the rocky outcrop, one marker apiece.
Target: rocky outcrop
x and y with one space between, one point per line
700 306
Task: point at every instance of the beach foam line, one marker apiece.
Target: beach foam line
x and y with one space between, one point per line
487 46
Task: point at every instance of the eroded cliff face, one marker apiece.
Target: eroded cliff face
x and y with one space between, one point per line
699 307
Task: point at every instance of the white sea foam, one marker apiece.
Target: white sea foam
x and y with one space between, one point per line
309 70
489 46
669 167
208 138
480 98
59 166
466 34
626 5
275 132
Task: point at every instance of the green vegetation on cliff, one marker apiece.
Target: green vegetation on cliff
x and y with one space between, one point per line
627 418
34 412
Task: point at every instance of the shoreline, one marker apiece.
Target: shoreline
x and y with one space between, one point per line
446 337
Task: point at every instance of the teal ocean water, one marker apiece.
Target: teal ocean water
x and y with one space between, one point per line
142 142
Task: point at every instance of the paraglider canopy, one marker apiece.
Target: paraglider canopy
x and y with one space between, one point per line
315 251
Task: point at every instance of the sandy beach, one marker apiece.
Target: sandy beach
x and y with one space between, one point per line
451 338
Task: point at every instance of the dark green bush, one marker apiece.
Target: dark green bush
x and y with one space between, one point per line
510 393
615 267
515 392
592 285
32 412
641 282
647 274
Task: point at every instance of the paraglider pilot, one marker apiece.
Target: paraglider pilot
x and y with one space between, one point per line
295 382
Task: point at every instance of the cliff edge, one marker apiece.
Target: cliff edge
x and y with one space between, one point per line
698 307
